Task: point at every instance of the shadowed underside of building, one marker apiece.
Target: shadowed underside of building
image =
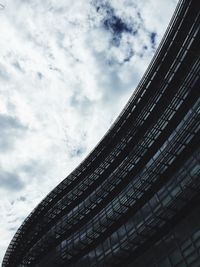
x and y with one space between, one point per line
135 199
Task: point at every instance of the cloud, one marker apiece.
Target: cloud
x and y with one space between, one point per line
3 73
10 181
153 39
17 66
7 121
113 23
2 6
11 129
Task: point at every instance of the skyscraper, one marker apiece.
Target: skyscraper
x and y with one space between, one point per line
135 199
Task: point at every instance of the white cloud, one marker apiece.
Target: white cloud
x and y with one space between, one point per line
66 70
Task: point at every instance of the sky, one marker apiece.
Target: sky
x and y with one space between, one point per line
67 68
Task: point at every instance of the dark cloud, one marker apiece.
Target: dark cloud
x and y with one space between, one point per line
114 24
11 128
128 32
40 75
22 199
77 152
153 36
10 181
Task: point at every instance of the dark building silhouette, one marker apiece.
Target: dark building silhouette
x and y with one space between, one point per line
135 200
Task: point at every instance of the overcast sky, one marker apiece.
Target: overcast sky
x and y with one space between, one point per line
67 68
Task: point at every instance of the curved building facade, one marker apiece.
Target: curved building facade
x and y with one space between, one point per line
135 199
